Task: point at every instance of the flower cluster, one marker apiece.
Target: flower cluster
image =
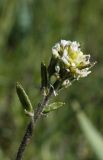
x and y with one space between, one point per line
68 62
70 54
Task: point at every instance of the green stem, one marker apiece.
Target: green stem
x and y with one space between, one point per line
32 123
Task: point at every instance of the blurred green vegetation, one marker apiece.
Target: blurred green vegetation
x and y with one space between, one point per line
28 30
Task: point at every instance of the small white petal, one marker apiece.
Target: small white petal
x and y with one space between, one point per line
55 53
65 54
84 74
57 46
75 46
65 61
64 43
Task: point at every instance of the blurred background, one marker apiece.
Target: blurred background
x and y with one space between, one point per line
28 30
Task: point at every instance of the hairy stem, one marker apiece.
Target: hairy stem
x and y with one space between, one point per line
31 125
25 141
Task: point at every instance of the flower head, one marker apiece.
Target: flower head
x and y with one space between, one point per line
72 59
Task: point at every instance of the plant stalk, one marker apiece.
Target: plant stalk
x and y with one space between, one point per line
31 125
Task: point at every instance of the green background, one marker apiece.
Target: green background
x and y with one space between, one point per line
28 30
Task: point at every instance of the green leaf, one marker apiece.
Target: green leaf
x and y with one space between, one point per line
53 106
23 97
91 133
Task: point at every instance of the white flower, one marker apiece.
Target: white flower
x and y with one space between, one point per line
73 59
